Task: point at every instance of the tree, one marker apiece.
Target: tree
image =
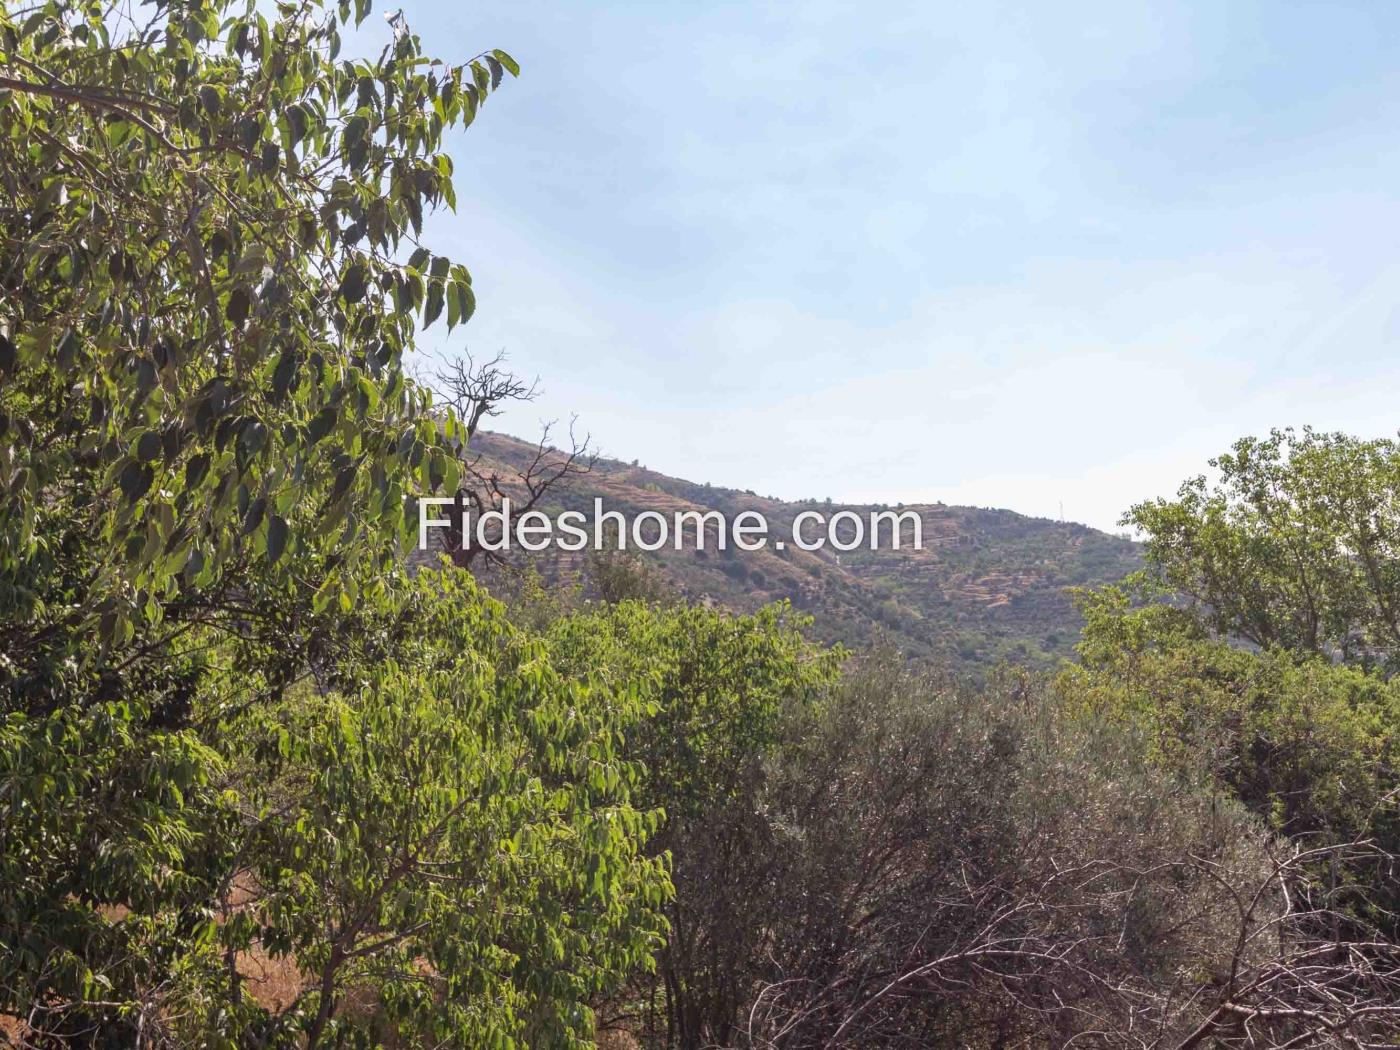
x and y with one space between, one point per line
1294 546
476 392
212 273
1312 747
206 304
721 692
448 829
1255 649
956 867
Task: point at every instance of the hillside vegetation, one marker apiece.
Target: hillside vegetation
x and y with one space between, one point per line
989 585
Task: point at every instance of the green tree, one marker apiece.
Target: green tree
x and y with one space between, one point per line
1295 545
212 273
448 828
959 866
206 295
1311 746
722 692
1255 649
718 686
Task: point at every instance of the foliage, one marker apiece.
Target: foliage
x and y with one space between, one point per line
204 313
721 692
1312 746
115 839
623 575
1295 546
1255 649
935 866
233 732
236 735
718 684
451 829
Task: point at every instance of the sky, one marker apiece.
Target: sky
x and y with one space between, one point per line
1044 256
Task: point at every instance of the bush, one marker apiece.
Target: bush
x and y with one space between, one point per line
720 690
966 868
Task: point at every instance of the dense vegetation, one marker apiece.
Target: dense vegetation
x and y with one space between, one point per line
263 785
233 730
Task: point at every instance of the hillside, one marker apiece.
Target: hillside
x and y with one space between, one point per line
989 584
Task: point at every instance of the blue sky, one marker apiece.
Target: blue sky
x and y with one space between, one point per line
1024 255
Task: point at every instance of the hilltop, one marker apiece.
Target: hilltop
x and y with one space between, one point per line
988 584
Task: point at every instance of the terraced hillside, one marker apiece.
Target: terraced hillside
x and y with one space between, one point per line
988 585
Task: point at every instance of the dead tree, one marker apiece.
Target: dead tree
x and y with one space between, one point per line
476 392
1308 970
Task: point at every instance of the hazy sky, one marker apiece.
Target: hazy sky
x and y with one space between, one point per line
1021 255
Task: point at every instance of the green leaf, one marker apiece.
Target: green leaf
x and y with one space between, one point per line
322 424
466 299
239 303
250 264
196 469
343 480
378 220
505 60
254 517
433 307
149 446
276 537
285 372
135 480
296 123
353 284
